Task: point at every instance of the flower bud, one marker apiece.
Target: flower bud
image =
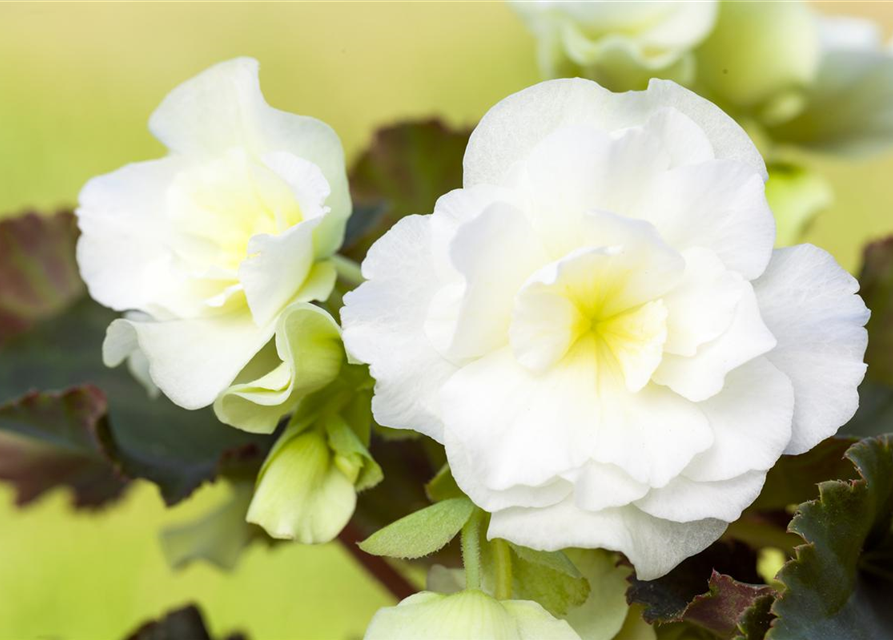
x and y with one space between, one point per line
301 494
467 614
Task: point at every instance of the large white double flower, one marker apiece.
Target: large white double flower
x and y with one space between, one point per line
597 328
207 246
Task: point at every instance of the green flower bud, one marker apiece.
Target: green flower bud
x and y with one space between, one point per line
301 494
467 614
306 489
760 58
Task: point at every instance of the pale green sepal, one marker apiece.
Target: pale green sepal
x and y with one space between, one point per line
421 533
309 355
218 537
465 615
549 578
796 196
443 486
301 494
351 456
602 615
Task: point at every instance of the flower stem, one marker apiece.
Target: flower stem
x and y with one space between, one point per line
471 550
348 270
502 557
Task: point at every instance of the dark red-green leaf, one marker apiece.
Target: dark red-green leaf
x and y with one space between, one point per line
403 172
38 272
182 624
149 438
729 606
666 599
839 584
50 440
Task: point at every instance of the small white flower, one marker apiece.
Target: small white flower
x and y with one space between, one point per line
597 328
619 44
206 246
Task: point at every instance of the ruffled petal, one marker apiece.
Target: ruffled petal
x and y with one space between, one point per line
810 304
751 422
703 375
653 545
191 361
512 128
685 500
384 320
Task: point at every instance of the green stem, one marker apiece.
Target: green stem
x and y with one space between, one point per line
471 550
502 557
348 270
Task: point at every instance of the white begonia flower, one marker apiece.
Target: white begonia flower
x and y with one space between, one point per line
597 328
619 44
849 105
464 615
209 244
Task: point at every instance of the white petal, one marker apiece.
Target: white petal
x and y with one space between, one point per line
123 251
720 206
653 545
599 486
464 469
383 322
685 500
703 305
703 375
276 268
191 361
521 428
810 304
751 422
510 130
492 254
223 107
652 435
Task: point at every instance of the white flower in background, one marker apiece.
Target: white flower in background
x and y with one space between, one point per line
597 328
848 108
464 615
206 247
619 44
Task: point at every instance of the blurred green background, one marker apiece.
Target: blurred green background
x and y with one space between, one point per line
77 84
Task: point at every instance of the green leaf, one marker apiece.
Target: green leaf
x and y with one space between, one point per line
443 486
420 533
182 624
549 578
38 273
876 288
218 537
50 440
838 584
149 438
403 172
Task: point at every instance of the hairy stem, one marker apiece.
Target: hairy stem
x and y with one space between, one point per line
502 557
471 550
377 567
